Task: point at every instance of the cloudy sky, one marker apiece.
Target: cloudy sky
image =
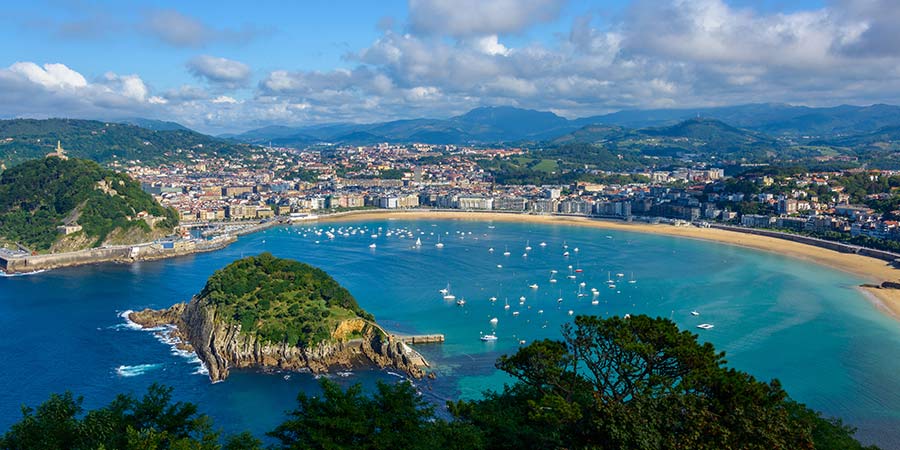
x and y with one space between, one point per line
224 66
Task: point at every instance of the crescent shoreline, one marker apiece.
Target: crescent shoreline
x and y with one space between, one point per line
873 270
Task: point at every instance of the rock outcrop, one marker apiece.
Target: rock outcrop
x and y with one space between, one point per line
222 346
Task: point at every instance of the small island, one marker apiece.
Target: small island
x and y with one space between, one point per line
272 313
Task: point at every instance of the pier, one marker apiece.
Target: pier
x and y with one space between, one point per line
420 338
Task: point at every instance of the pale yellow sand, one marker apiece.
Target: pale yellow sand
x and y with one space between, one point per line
872 269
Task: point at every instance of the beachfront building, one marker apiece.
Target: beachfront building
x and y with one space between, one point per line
472 202
757 221
509 204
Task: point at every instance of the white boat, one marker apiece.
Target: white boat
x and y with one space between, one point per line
499 266
506 305
553 280
491 250
571 312
418 242
488 337
494 321
566 254
595 302
524 255
705 326
506 252
439 243
461 302
493 299
527 246
582 284
447 294
372 245
515 313
543 244
540 311
522 298
533 286
575 249
695 313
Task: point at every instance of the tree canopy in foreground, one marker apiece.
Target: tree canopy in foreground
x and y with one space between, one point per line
637 383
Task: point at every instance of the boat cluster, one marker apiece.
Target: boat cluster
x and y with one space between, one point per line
437 239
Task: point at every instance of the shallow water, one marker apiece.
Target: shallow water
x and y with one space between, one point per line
775 317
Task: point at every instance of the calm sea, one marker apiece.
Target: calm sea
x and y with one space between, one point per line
775 317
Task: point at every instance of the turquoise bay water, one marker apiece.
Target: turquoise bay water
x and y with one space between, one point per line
775 317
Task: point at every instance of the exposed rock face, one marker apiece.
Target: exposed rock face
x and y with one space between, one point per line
221 345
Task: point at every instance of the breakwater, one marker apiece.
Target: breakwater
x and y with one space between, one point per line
119 254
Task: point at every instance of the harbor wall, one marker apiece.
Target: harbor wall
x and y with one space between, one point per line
120 254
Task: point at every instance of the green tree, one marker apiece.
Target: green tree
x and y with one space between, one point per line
152 422
637 383
394 417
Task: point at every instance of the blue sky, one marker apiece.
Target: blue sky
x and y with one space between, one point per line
227 66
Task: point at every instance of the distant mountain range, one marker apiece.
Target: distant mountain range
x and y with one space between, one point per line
511 125
750 132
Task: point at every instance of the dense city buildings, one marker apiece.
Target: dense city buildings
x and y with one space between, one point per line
280 181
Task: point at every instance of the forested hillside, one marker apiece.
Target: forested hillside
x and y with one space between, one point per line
39 195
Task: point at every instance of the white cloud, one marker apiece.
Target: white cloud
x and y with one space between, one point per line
51 76
221 71
57 90
480 17
224 99
180 30
490 45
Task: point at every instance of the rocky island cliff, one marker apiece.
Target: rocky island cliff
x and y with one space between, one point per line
267 312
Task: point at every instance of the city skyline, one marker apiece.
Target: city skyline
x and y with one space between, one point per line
238 67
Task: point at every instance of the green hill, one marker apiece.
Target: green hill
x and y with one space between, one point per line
24 139
280 300
39 195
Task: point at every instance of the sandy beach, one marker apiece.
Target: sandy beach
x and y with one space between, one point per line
873 270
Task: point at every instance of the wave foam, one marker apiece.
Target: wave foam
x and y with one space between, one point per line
20 274
165 334
133 371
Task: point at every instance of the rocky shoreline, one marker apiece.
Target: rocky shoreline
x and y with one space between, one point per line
221 346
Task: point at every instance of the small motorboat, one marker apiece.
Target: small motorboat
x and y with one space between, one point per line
488 337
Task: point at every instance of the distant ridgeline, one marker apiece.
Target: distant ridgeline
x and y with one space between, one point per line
24 139
267 312
60 204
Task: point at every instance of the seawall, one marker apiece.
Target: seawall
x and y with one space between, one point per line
119 254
